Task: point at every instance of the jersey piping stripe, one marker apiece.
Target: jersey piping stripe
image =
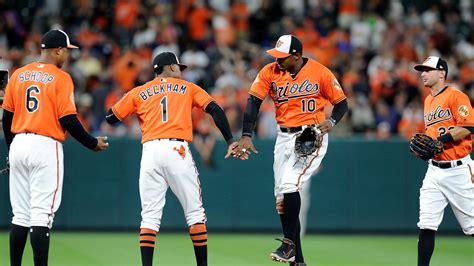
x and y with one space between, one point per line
307 167
57 184
472 174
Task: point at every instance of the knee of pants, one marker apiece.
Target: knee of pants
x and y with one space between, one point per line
149 224
196 216
21 220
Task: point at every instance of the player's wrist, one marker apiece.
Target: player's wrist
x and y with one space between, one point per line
446 138
247 134
332 121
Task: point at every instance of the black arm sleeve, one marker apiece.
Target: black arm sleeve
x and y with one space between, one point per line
250 115
339 110
220 120
7 120
471 129
111 118
75 128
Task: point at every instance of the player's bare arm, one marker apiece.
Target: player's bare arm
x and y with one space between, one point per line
337 113
458 133
246 146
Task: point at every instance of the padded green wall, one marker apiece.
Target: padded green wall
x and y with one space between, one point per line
363 186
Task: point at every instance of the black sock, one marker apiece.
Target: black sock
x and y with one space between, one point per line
298 251
147 245
201 255
282 220
426 243
18 236
39 238
292 204
198 234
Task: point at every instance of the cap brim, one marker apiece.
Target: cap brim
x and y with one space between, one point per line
277 54
182 67
72 47
422 67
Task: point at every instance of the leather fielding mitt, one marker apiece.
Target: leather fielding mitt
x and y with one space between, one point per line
425 147
308 141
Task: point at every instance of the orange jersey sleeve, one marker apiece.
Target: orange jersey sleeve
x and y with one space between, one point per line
163 107
298 100
449 109
39 95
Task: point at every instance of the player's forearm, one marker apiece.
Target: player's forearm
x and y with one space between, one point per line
250 115
7 120
220 120
72 125
459 133
339 111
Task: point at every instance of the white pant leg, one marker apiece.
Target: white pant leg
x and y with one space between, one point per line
281 154
298 170
181 173
432 200
458 188
152 187
38 166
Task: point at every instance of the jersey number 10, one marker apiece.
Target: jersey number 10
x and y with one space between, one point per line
308 105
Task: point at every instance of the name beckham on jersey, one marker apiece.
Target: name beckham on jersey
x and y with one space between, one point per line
437 115
296 90
162 88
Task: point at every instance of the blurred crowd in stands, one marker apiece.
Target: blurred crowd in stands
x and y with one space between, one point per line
371 45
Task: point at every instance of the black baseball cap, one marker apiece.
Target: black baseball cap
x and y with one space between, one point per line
286 46
56 39
165 59
433 62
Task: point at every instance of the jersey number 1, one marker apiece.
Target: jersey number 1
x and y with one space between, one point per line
32 102
164 114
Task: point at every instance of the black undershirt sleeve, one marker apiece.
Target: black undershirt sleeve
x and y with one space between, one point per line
72 125
250 115
220 120
111 118
7 120
339 110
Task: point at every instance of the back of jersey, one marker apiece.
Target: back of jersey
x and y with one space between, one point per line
163 107
39 95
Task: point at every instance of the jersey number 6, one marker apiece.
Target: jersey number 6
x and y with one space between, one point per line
32 102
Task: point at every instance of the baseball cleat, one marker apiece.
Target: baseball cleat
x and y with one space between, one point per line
285 253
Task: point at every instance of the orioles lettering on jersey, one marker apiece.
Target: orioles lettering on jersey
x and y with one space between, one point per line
161 89
296 90
437 115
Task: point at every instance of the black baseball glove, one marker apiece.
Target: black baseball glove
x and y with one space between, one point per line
425 147
308 141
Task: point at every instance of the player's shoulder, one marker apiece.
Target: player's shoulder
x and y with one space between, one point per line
270 68
316 67
455 91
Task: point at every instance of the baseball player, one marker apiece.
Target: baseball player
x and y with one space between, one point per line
449 179
38 109
300 88
163 107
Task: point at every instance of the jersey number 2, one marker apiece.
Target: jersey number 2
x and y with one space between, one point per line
32 102
164 114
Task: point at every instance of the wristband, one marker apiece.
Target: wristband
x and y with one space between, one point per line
332 121
445 138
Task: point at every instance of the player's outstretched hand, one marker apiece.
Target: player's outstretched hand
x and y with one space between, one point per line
102 144
231 149
245 147
325 126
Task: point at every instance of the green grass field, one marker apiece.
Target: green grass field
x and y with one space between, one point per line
245 249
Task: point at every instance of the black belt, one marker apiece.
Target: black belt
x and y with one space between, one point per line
293 129
181 140
445 165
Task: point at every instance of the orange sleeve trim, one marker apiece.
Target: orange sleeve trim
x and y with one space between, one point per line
205 105
339 100
7 108
257 95
116 114
66 114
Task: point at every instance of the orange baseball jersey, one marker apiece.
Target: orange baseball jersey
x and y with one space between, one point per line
446 110
163 107
300 100
39 95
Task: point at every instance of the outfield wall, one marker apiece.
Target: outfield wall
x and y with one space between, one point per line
363 186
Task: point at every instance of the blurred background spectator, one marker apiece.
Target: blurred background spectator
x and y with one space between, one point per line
370 45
